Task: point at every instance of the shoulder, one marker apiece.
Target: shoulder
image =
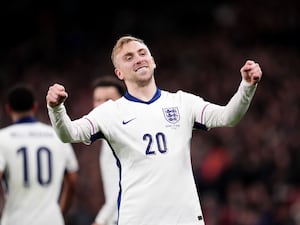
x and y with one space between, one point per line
6 131
175 93
180 94
44 127
110 106
47 133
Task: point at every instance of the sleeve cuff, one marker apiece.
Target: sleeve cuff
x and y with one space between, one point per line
57 108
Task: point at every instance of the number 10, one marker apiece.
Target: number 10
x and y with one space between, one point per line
40 153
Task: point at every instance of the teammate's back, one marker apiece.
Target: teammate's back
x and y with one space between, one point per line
33 162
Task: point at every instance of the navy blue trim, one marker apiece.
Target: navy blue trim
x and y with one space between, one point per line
200 126
134 99
118 163
27 119
96 136
5 182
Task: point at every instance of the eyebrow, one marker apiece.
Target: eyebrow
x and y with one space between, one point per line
131 53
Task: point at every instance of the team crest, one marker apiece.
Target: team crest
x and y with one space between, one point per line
171 114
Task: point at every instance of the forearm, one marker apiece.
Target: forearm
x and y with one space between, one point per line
231 114
68 191
67 130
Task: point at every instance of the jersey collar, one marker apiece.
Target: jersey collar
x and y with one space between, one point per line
134 99
27 119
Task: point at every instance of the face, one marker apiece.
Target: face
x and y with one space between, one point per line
102 94
134 63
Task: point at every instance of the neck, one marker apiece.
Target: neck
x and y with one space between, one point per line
143 92
18 116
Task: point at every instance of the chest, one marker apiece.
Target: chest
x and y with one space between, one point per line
150 129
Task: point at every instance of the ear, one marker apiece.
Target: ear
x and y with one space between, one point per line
119 74
7 109
154 63
35 107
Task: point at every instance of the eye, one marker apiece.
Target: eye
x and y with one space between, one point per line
128 57
143 53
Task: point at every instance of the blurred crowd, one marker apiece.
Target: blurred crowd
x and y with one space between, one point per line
248 175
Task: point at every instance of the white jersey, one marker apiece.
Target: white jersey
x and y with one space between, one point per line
151 142
33 161
108 213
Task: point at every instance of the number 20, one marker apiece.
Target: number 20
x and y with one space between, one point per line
161 143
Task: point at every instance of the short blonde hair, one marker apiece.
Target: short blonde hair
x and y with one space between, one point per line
119 44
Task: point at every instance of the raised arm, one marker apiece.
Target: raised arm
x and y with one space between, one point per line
68 131
232 113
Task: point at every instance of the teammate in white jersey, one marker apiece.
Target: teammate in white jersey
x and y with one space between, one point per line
150 132
108 88
34 165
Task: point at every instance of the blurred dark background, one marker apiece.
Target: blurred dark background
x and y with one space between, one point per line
247 175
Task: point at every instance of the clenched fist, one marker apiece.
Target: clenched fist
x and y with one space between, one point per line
251 72
56 95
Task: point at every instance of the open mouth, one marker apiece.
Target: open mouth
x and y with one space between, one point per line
140 67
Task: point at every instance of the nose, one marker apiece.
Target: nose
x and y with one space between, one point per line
139 60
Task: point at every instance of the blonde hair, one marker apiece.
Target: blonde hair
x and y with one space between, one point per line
119 44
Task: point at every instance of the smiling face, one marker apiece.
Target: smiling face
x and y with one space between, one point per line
134 63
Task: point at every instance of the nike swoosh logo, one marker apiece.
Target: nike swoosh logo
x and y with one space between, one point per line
127 121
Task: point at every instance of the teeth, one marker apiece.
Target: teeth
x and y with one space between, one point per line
138 68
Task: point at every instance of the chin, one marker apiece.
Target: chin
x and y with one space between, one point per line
144 79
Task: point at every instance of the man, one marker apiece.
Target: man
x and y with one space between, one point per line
34 165
150 132
108 88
